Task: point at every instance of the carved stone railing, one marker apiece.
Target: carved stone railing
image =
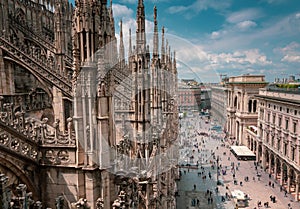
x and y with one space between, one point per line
28 101
17 143
36 140
38 38
45 71
37 131
43 40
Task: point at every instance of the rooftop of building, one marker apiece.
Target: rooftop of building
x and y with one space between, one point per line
191 84
289 88
287 93
218 87
247 78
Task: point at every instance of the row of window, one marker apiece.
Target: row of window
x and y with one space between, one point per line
286 123
284 149
281 109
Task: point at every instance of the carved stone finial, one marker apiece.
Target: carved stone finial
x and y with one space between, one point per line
82 203
59 202
100 203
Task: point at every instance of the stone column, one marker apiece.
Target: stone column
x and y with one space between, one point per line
236 131
257 154
88 43
241 134
288 180
275 169
3 195
92 186
2 72
263 156
281 174
297 187
297 155
58 107
270 164
230 127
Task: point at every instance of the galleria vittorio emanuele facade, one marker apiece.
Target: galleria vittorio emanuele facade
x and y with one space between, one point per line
84 123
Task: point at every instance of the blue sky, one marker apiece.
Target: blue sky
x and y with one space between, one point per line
232 37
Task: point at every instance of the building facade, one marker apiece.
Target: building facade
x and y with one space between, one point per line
275 138
192 96
219 104
242 106
82 126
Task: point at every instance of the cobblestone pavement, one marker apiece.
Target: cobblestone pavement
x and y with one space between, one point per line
257 190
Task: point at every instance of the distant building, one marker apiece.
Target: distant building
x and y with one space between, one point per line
219 104
193 96
190 82
205 98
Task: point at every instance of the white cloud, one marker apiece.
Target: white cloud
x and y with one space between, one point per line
198 6
215 34
246 25
275 1
252 56
244 15
177 9
121 11
218 34
232 37
290 53
290 47
291 58
129 1
287 26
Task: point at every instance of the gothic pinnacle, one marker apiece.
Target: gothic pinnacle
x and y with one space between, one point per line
140 32
163 54
122 52
130 44
155 35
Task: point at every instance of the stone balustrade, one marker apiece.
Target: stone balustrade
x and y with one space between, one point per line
36 140
45 40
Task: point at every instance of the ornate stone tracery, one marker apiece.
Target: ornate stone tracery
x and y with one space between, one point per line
57 71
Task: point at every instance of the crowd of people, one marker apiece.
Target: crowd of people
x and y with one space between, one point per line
209 159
